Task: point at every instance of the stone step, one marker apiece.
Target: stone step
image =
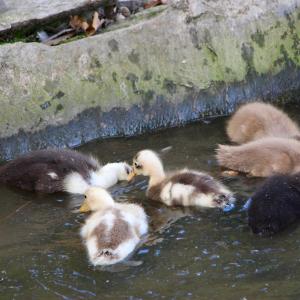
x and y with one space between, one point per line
21 15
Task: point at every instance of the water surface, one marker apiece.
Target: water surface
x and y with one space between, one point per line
192 253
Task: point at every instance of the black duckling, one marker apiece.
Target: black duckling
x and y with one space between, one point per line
275 205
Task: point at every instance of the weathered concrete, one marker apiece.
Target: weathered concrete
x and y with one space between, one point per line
16 14
176 65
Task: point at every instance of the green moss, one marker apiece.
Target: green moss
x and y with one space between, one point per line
259 38
281 46
110 78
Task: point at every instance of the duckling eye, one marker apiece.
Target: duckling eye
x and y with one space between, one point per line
137 165
84 196
127 171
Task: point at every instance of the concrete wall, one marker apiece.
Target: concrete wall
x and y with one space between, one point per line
170 65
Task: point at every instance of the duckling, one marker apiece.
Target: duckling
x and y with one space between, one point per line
50 171
275 205
256 120
185 187
262 158
114 230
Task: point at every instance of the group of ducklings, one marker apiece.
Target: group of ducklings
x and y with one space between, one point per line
269 146
268 139
114 229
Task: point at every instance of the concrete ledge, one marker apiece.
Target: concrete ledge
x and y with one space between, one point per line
168 67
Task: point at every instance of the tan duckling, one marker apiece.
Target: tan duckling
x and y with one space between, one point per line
50 171
257 120
114 230
262 158
185 187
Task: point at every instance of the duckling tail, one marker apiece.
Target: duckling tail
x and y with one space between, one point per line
226 156
74 183
104 256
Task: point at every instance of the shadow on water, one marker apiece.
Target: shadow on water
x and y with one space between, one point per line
190 253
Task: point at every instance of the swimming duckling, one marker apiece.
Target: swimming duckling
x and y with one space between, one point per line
114 230
51 171
262 158
185 187
275 205
257 120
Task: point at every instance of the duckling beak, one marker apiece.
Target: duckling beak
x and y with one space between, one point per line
84 207
131 175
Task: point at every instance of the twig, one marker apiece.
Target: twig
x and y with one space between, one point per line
15 212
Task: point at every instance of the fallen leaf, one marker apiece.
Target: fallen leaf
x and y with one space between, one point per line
78 23
59 37
153 3
95 25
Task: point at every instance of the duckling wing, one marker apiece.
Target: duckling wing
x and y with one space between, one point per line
200 181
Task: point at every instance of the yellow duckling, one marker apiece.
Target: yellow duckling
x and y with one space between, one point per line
114 230
262 158
185 187
257 120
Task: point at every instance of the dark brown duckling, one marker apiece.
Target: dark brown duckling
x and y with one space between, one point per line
50 171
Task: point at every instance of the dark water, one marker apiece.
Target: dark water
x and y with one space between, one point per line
192 254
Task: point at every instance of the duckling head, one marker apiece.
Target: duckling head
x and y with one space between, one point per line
148 163
96 199
124 171
121 170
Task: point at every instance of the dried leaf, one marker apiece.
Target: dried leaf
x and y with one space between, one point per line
95 25
78 23
59 37
152 3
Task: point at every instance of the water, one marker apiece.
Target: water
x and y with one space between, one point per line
191 253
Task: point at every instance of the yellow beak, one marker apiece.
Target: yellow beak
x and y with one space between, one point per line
84 207
131 175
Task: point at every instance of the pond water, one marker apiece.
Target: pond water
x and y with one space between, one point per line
192 253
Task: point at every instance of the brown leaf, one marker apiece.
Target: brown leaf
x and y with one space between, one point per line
59 37
78 23
153 3
95 25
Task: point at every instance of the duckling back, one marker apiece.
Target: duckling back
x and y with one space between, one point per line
45 170
275 205
190 188
112 235
262 158
257 120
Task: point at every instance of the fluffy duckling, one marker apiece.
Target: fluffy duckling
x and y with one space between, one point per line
257 120
275 205
262 158
185 187
51 171
114 230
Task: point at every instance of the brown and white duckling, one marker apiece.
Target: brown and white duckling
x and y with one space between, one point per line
262 158
51 171
185 187
114 230
257 120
